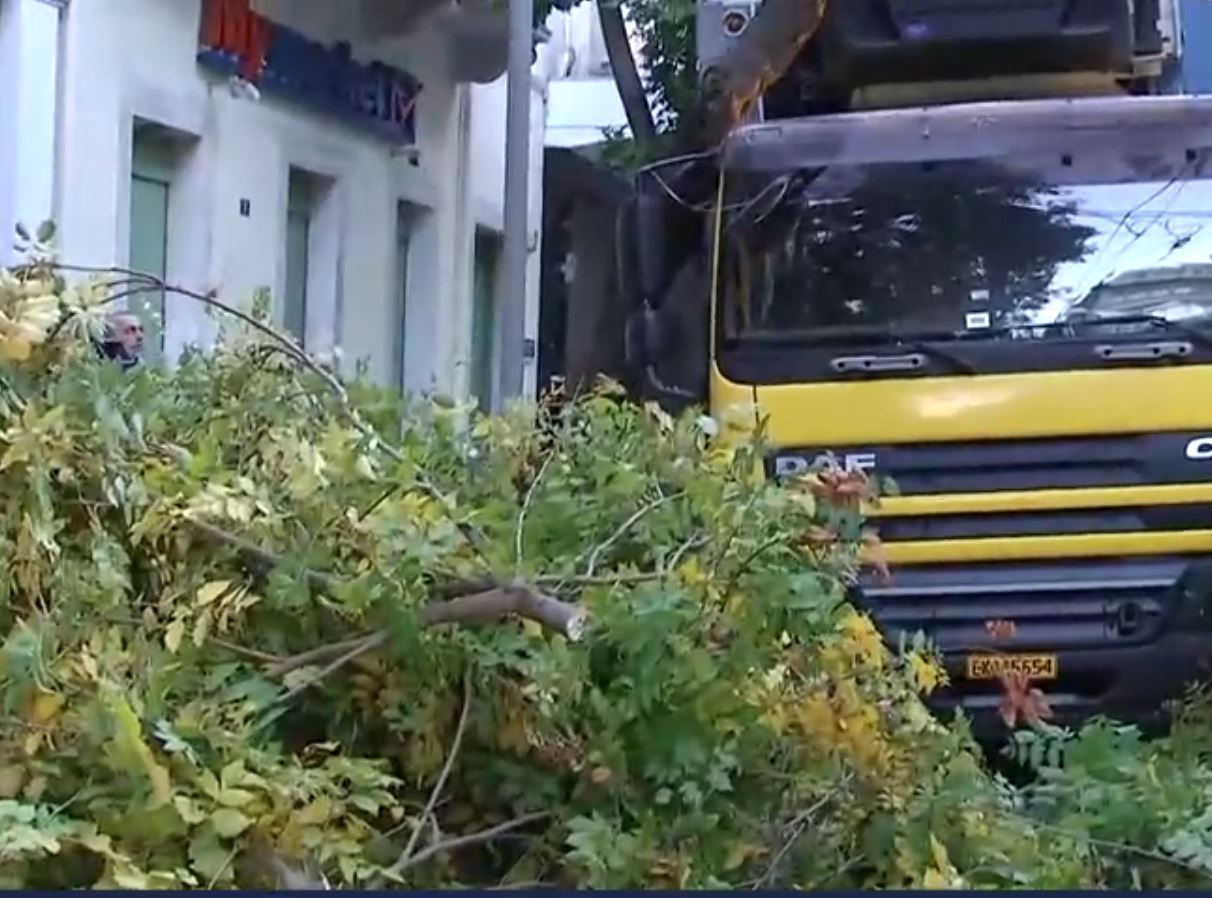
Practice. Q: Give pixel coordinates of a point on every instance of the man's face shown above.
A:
(128, 331)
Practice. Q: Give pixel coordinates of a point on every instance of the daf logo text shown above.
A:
(796, 465)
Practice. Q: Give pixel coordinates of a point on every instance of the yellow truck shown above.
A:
(1004, 307)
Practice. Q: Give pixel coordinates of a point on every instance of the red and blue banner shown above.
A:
(235, 40)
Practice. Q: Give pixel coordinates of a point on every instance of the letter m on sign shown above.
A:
(231, 26)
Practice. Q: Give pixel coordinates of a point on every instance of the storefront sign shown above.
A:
(236, 40)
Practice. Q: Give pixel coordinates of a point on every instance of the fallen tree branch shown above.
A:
(494, 605)
(516, 600)
(487, 602)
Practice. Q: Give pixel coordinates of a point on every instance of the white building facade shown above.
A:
(362, 187)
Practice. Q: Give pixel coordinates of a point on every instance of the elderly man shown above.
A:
(123, 339)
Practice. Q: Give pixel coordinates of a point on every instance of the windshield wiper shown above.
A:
(880, 360)
(883, 361)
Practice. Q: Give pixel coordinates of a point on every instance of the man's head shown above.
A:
(124, 337)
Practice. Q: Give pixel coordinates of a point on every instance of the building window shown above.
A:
(150, 193)
(407, 219)
(483, 319)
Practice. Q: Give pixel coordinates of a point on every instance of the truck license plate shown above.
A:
(991, 667)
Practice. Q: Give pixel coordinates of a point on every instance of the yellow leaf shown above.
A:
(46, 707)
(939, 852)
(928, 675)
(235, 798)
(740, 852)
(128, 743)
(212, 592)
(32, 743)
(35, 788)
(532, 628)
(319, 811)
(130, 878)
(202, 627)
(933, 879)
(864, 639)
(12, 778)
(229, 823)
(16, 349)
(98, 844)
(174, 634)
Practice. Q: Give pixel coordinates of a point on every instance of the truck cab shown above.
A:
(998, 307)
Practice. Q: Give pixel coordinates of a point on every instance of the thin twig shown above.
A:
(694, 542)
(622, 530)
(231, 856)
(797, 825)
(438, 786)
(284, 666)
(788, 844)
(251, 654)
(732, 533)
(486, 835)
(153, 282)
(520, 529)
(263, 558)
(603, 580)
(370, 643)
(1116, 846)
(752, 557)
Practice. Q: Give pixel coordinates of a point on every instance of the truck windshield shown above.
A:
(1026, 251)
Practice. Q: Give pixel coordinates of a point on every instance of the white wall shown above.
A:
(137, 58)
(29, 51)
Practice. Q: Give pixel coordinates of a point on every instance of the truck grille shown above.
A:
(990, 525)
(1068, 463)
(1071, 606)
(999, 466)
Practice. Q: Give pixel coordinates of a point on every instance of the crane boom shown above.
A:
(761, 55)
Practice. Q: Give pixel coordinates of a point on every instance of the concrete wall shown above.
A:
(128, 60)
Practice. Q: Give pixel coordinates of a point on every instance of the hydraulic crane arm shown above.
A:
(762, 54)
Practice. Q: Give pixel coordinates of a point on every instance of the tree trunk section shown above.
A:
(626, 75)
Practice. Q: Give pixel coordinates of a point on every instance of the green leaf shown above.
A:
(229, 823)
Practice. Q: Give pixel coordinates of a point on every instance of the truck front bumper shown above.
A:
(1128, 635)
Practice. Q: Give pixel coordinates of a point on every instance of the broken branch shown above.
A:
(486, 835)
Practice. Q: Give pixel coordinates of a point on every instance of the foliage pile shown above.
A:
(262, 627)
